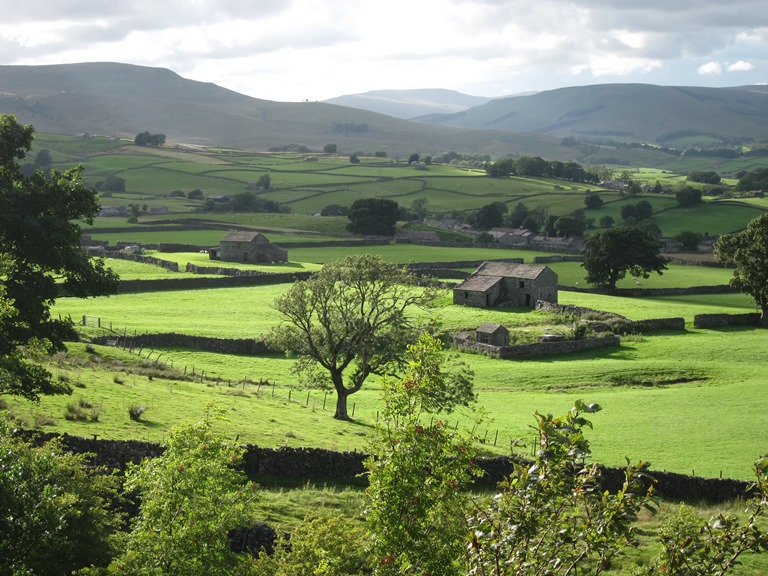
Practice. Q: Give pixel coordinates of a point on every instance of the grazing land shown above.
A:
(714, 374)
(687, 401)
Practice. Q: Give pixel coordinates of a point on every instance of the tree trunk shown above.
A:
(341, 396)
(341, 405)
(764, 317)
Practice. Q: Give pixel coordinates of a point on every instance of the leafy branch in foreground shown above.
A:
(552, 515)
(418, 472)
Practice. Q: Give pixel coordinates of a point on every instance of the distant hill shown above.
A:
(628, 112)
(124, 100)
(409, 104)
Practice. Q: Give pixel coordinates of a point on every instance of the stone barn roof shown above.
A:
(509, 270)
(245, 237)
(491, 328)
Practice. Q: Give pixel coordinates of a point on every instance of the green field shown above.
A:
(689, 401)
(305, 183)
(643, 383)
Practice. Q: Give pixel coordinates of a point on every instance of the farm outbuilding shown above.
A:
(249, 247)
(492, 333)
(501, 283)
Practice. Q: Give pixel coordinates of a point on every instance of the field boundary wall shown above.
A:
(264, 279)
(616, 321)
(242, 346)
(537, 349)
(716, 320)
(309, 464)
(172, 266)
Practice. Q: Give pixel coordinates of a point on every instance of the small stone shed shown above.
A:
(250, 247)
(501, 283)
(493, 334)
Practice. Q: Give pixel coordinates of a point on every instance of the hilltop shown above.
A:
(124, 100)
(410, 103)
(666, 115)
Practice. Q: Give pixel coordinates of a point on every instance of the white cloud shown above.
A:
(710, 69)
(296, 49)
(741, 66)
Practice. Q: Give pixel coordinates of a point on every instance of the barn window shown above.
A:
(522, 285)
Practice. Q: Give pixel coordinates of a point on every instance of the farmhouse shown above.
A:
(501, 283)
(512, 236)
(247, 247)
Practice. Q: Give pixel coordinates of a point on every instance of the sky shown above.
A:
(296, 50)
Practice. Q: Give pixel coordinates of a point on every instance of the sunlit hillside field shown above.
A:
(305, 183)
(191, 311)
(687, 402)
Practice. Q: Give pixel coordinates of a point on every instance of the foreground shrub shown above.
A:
(191, 498)
(54, 517)
(328, 546)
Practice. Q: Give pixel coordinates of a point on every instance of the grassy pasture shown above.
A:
(707, 218)
(715, 375)
(647, 379)
(306, 183)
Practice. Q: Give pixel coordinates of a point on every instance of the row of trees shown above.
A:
(147, 139)
(540, 168)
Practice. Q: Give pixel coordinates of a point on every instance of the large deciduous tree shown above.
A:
(609, 255)
(748, 250)
(40, 251)
(376, 216)
(350, 320)
(490, 216)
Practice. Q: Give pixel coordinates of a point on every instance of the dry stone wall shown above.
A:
(311, 464)
(716, 320)
(537, 349)
(242, 346)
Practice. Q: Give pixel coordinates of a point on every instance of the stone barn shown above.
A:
(501, 283)
(250, 247)
(492, 333)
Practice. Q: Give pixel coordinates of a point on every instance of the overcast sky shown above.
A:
(293, 50)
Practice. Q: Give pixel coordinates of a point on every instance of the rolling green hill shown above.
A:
(628, 112)
(124, 100)
(410, 103)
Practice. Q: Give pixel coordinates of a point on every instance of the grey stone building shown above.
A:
(493, 334)
(250, 247)
(501, 283)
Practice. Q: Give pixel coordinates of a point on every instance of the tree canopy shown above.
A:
(40, 255)
(490, 216)
(748, 250)
(609, 255)
(348, 321)
(376, 216)
(147, 139)
(538, 167)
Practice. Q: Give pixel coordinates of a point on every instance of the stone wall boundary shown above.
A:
(313, 464)
(133, 286)
(549, 259)
(172, 266)
(642, 292)
(717, 320)
(240, 346)
(537, 349)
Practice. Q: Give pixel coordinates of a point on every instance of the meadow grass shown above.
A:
(712, 373)
(689, 402)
